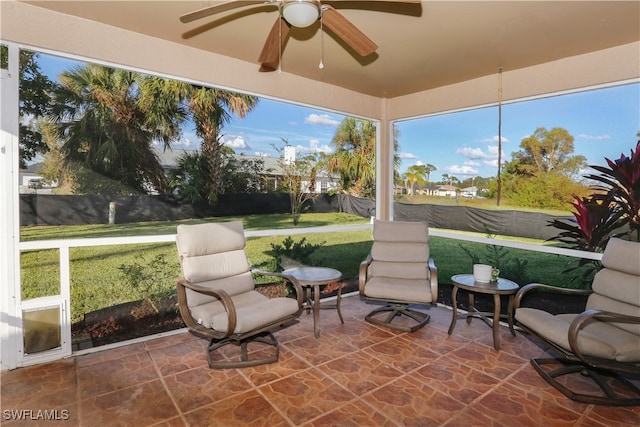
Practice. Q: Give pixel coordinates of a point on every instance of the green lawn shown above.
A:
(97, 279)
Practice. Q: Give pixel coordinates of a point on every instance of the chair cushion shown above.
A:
(400, 231)
(232, 285)
(203, 239)
(410, 290)
(401, 270)
(253, 310)
(400, 252)
(597, 339)
(622, 255)
(214, 266)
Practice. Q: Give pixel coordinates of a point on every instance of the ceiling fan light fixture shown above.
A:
(301, 13)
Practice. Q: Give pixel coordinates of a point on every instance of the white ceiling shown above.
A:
(421, 46)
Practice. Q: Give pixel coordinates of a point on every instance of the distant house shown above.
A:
(447, 191)
(30, 176)
(272, 171)
(469, 192)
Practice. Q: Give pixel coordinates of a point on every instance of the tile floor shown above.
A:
(355, 374)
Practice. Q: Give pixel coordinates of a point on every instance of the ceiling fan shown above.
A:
(298, 13)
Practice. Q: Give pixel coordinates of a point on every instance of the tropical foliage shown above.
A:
(611, 211)
(541, 174)
(110, 120)
(621, 182)
(35, 88)
(211, 109)
(415, 175)
(298, 179)
(189, 179)
(354, 158)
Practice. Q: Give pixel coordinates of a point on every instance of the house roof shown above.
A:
(421, 46)
(169, 159)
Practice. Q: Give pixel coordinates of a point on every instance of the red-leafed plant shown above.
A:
(595, 221)
(622, 186)
(612, 210)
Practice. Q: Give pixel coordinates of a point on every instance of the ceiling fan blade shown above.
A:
(212, 10)
(270, 55)
(349, 33)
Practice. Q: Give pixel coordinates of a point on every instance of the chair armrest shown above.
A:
(362, 274)
(547, 288)
(584, 318)
(222, 296)
(433, 280)
(287, 277)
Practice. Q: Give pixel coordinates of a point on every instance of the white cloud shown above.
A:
(186, 143)
(495, 139)
(237, 143)
(321, 119)
(462, 170)
(596, 137)
(314, 147)
(473, 153)
(407, 156)
(471, 163)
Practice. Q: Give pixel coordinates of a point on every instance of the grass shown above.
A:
(98, 279)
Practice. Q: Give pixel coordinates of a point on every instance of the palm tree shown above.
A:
(211, 109)
(416, 174)
(355, 155)
(428, 168)
(109, 120)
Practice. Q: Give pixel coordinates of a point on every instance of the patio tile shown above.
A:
(115, 374)
(359, 334)
(46, 386)
(246, 409)
(508, 405)
(614, 416)
(528, 380)
(356, 374)
(409, 402)
(170, 340)
(403, 353)
(181, 357)
(116, 353)
(455, 379)
(498, 364)
(172, 422)
(353, 414)
(305, 396)
(316, 351)
(288, 364)
(202, 386)
(360, 372)
(143, 404)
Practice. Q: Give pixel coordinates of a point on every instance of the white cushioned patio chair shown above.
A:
(217, 296)
(399, 272)
(601, 343)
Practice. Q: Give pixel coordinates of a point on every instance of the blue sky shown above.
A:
(604, 123)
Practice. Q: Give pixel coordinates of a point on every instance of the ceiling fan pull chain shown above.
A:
(321, 65)
(280, 45)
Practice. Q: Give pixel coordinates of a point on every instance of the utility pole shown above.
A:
(499, 136)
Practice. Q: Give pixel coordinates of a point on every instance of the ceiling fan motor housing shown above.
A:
(301, 13)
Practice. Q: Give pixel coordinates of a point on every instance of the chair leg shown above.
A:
(265, 338)
(397, 310)
(631, 396)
